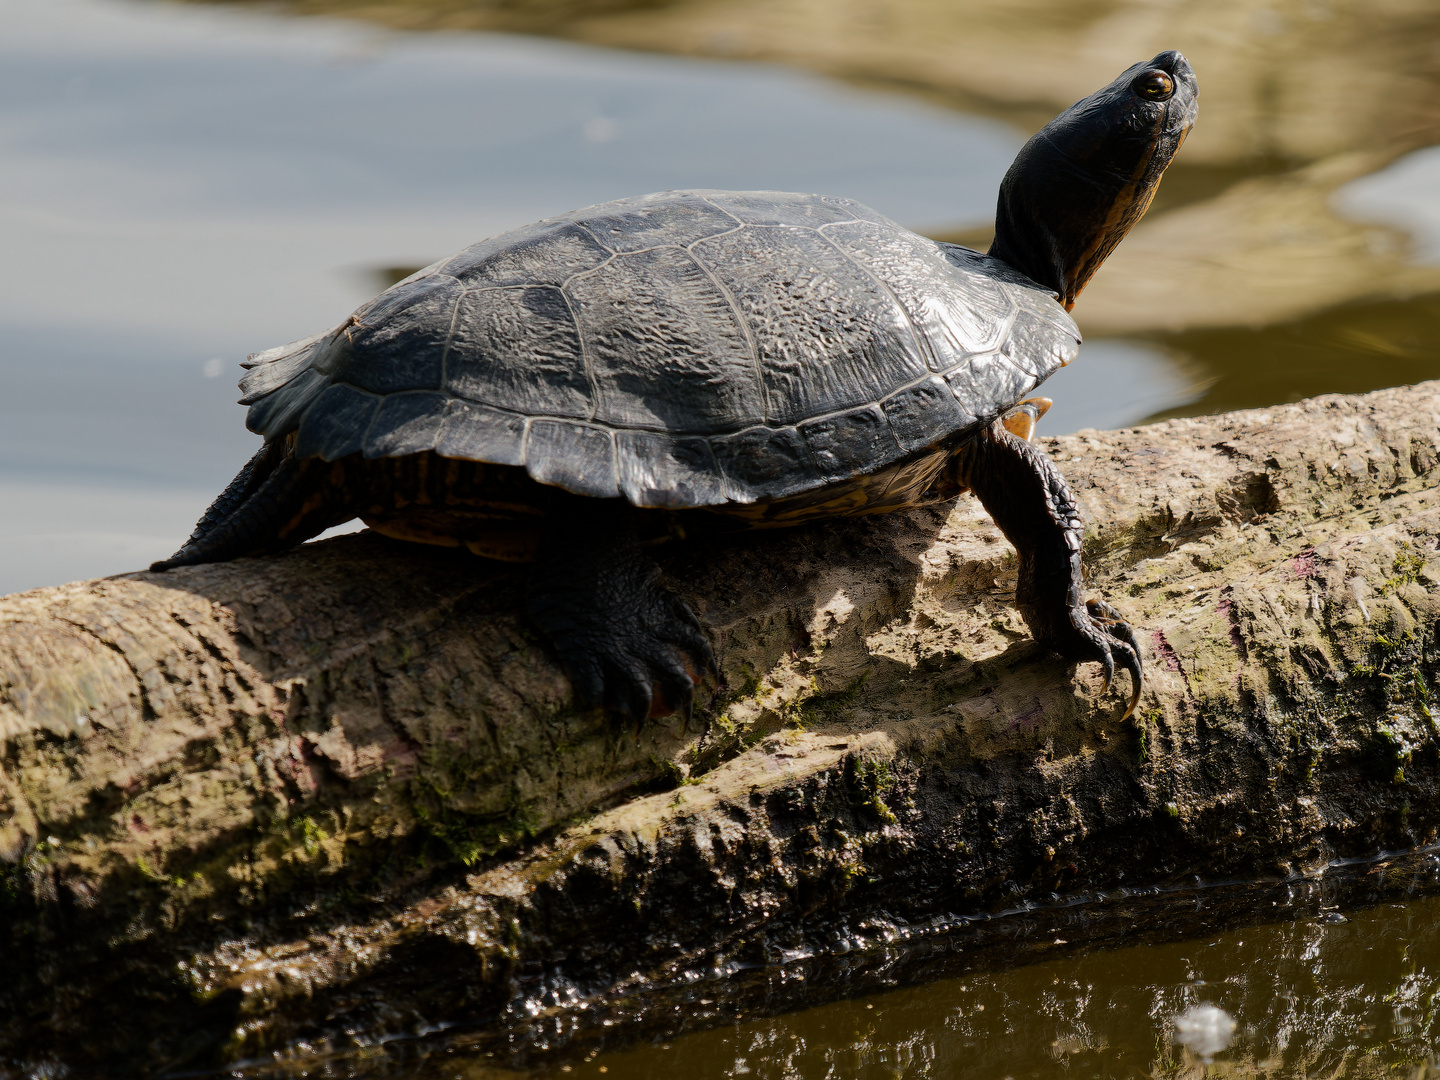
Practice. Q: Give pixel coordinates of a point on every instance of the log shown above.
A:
(300, 804)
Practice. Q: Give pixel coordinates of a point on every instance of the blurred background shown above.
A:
(182, 184)
(185, 183)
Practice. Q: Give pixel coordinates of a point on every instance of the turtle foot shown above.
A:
(642, 662)
(627, 643)
(1110, 641)
(1097, 632)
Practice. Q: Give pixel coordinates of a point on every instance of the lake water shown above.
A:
(181, 186)
(1322, 997)
(1205, 987)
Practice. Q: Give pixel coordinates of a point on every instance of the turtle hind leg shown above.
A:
(1023, 491)
(287, 505)
(247, 481)
(626, 642)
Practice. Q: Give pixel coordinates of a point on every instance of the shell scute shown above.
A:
(956, 311)
(279, 412)
(676, 218)
(337, 426)
(272, 369)
(666, 349)
(387, 308)
(785, 208)
(1037, 350)
(663, 470)
(405, 424)
(518, 349)
(987, 385)
(546, 253)
(1044, 338)
(479, 433)
(576, 457)
(849, 445)
(400, 343)
(917, 413)
(765, 462)
(827, 335)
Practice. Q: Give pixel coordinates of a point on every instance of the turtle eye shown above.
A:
(1154, 85)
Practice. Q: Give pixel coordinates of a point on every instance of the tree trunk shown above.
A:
(254, 806)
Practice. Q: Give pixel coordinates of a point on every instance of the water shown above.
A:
(1401, 195)
(1343, 350)
(181, 186)
(1386, 339)
(1330, 996)
(1278, 979)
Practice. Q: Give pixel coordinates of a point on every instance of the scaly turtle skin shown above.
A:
(563, 392)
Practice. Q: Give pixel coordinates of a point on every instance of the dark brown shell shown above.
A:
(685, 349)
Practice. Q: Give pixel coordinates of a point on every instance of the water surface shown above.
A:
(1324, 997)
(182, 185)
(1311, 990)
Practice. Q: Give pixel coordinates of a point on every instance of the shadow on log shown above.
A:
(254, 808)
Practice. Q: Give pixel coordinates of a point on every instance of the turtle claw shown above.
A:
(640, 671)
(1117, 641)
(1107, 662)
(638, 662)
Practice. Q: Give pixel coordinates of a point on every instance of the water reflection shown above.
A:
(181, 185)
(1325, 997)
(1402, 195)
(1264, 220)
(1350, 349)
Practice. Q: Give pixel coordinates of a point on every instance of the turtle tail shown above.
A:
(274, 502)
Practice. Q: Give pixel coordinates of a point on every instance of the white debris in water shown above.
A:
(1204, 1030)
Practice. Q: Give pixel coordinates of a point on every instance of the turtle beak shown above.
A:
(1182, 108)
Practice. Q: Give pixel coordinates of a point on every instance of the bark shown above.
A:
(282, 805)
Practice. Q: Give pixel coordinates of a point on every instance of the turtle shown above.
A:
(567, 393)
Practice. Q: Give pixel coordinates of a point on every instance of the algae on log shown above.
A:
(341, 794)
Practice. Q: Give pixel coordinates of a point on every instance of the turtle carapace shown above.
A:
(762, 358)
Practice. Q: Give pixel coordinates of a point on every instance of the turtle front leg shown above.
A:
(626, 642)
(1023, 491)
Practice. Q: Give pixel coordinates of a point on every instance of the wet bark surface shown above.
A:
(283, 807)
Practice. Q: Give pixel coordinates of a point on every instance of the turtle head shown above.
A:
(1078, 186)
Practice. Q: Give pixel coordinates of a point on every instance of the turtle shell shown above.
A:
(684, 349)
